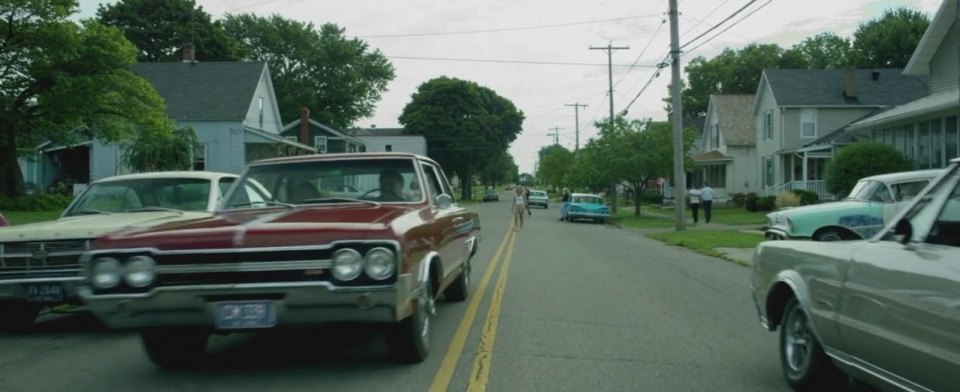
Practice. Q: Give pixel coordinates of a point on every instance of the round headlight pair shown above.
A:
(108, 272)
(379, 264)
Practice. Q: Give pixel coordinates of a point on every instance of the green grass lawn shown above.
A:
(735, 216)
(706, 241)
(23, 217)
(626, 218)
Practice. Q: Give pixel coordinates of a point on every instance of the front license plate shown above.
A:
(245, 314)
(44, 292)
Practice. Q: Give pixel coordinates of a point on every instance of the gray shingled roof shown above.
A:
(735, 116)
(825, 87)
(204, 90)
(377, 132)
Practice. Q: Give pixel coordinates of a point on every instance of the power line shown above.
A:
(718, 24)
(642, 52)
(728, 27)
(505, 29)
(515, 62)
(704, 20)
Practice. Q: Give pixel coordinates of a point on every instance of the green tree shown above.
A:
(339, 79)
(890, 40)
(499, 170)
(823, 51)
(160, 151)
(555, 161)
(160, 28)
(863, 160)
(64, 82)
(464, 123)
(589, 170)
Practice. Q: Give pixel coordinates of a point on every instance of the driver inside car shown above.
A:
(391, 186)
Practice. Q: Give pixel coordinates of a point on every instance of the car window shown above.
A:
(189, 194)
(946, 227)
(224, 186)
(433, 182)
(880, 193)
(906, 191)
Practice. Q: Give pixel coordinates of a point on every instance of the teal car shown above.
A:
(587, 206)
(868, 208)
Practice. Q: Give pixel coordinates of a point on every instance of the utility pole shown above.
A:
(609, 49)
(576, 119)
(679, 175)
(555, 134)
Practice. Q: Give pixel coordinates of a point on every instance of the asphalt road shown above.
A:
(568, 307)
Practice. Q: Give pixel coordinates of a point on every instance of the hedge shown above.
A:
(35, 202)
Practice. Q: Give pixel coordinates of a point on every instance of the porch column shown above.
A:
(806, 158)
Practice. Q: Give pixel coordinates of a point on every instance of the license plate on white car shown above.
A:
(44, 292)
(245, 314)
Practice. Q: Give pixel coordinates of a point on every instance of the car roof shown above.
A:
(206, 175)
(346, 155)
(907, 175)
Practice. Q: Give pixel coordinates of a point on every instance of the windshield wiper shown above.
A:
(269, 203)
(89, 211)
(340, 199)
(154, 208)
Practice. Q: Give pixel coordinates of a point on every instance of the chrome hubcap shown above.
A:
(831, 236)
(798, 341)
(427, 309)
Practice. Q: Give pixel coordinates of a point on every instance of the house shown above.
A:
(390, 139)
(230, 105)
(795, 107)
(926, 129)
(727, 157)
(324, 139)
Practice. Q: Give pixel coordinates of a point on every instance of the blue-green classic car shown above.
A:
(587, 206)
(870, 205)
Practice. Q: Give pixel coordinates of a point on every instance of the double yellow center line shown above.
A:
(481, 361)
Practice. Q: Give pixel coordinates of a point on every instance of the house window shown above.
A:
(320, 143)
(952, 140)
(910, 137)
(808, 123)
(768, 171)
(716, 135)
(768, 125)
(260, 103)
(923, 146)
(936, 143)
(388, 148)
(200, 158)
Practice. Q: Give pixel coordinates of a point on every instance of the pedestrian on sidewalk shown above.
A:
(695, 196)
(564, 203)
(519, 207)
(707, 196)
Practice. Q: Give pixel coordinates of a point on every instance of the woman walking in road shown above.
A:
(519, 207)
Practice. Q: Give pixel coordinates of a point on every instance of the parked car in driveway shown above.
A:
(869, 206)
(539, 198)
(587, 206)
(296, 258)
(884, 310)
(491, 195)
(40, 262)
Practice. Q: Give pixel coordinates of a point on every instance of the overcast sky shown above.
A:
(540, 48)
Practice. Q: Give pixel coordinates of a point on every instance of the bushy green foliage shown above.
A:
(807, 197)
(862, 160)
(35, 202)
(739, 198)
(750, 202)
(766, 203)
(651, 198)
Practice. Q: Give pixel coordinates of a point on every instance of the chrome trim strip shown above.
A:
(241, 250)
(874, 371)
(245, 266)
(42, 280)
(226, 288)
(61, 253)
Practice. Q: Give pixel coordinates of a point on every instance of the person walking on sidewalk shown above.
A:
(564, 203)
(707, 196)
(695, 195)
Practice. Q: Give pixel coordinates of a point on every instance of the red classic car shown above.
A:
(282, 250)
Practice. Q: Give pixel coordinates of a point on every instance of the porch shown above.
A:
(803, 169)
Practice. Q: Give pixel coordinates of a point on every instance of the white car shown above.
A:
(539, 198)
(40, 262)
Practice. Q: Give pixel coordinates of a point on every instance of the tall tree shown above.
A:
(160, 28)
(555, 162)
(589, 169)
(889, 41)
(498, 170)
(823, 51)
(339, 79)
(64, 82)
(465, 124)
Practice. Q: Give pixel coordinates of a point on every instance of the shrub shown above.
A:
(651, 198)
(787, 199)
(35, 202)
(750, 202)
(739, 198)
(863, 160)
(767, 203)
(807, 197)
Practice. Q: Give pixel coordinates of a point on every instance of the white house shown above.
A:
(390, 140)
(727, 157)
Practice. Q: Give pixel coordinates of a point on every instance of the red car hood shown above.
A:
(265, 228)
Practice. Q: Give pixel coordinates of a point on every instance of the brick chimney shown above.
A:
(189, 55)
(305, 125)
(849, 83)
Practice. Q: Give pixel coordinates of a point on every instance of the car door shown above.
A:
(903, 194)
(900, 307)
(443, 219)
